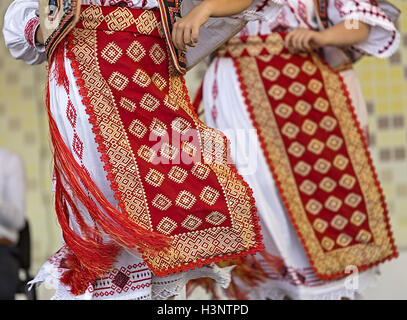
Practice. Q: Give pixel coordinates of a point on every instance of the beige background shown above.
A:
(23, 129)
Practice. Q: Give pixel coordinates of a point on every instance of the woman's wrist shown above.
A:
(38, 36)
(207, 7)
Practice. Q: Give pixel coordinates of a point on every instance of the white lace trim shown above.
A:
(161, 289)
(279, 290)
(174, 285)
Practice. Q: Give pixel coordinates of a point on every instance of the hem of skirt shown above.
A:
(278, 290)
(50, 276)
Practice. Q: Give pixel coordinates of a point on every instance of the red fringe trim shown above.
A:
(285, 200)
(198, 99)
(154, 246)
(90, 257)
(247, 269)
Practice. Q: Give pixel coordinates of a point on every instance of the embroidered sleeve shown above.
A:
(30, 30)
(262, 10)
(20, 25)
(384, 38)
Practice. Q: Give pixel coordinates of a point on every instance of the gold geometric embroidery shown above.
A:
(313, 206)
(284, 110)
(146, 153)
(291, 70)
(347, 181)
(363, 236)
(316, 146)
(159, 81)
(327, 243)
(271, 73)
(290, 130)
(141, 78)
(309, 127)
(303, 107)
(334, 142)
(149, 102)
(188, 148)
(328, 123)
(157, 54)
(340, 162)
(321, 104)
(333, 203)
(320, 225)
(191, 222)
(168, 151)
(286, 56)
(297, 89)
(209, 195)
(166, 225)
(315, 86)
(111, 53)
(137, 128)
(343, 239)
(158, 127)
(339, 222)
(358, 218)
(161, 202)
(302, 168)
(327, 184)
(180, 125)
(308, 187)
(155, 178)
(185, 200)
(322, 166)
(353, 200)
(177, 174)
(93, 17)
(128, 104)
(146, 22)
(118, 81)
(170, 102)
(136, 51)
(200, 170)
(277, 92)
(119, 19)
(296, 149)
(216, 218)
(309, 68)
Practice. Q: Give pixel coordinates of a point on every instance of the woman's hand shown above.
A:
(186, 30)
(339, 35)
(39, 38)
(305, 40)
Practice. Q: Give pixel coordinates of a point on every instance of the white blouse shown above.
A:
(21, 22)
(383, 39)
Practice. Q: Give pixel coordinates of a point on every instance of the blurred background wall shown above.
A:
(24, 130)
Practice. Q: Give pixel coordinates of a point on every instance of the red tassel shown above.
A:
(198, 98)
(90, 257)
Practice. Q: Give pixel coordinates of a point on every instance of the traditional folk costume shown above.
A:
(297, 123)
(145, 195)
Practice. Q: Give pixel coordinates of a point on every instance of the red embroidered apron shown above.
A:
(317, 154)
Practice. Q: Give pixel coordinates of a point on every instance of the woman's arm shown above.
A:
(186, 30)
(340, 35)
(20, 25)
(39, 38)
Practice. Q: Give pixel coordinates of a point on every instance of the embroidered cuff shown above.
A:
(384, 38)
(30, 30)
